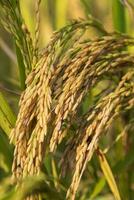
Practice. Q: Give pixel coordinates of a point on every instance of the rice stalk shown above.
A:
(37, 30)
(70, 66)
(12, 20)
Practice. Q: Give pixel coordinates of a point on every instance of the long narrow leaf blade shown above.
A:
(98, 188)
(7, 117)
(4, 123)
(108, 175)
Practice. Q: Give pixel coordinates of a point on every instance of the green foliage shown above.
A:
(7, 117)
(119, 19)
(12, 20)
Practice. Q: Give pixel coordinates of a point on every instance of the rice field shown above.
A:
(66, 100)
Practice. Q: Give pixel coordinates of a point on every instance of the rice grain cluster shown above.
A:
(67, 70)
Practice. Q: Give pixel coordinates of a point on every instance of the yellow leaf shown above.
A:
(108, 175)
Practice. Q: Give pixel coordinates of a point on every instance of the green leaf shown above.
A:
(7, 117)
(29, 184)
(4, 123)
(55, 174)
(119, 19)
(98, 188)
(6, 152)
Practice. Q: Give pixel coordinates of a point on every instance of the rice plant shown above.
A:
(56, 113)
